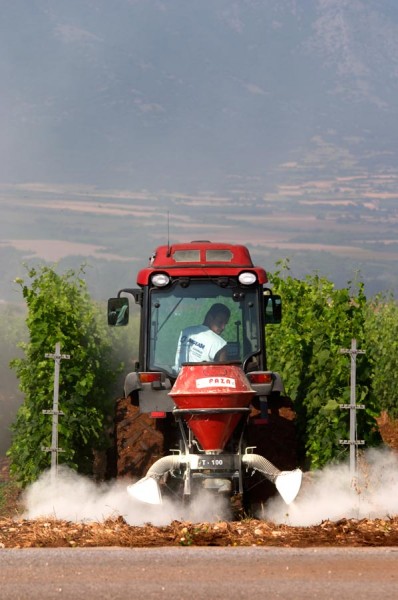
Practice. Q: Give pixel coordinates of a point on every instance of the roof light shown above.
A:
(160, 279)
(247, 278)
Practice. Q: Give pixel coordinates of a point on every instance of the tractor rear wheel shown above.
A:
(140, 440)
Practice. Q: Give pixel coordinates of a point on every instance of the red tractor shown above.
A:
(201, 381)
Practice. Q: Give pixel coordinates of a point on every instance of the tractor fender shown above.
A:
(131, 384)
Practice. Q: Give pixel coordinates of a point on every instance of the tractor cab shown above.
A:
(178, 290)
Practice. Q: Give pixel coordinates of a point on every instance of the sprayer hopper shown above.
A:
(211, 398)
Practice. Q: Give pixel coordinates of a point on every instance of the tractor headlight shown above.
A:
(247, 278)
(160, 279)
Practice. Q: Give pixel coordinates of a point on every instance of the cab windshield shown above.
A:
(178, 314)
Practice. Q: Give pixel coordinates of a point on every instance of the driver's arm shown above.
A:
(222, 355)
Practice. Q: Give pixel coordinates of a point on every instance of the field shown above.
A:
(334, 227)
(53, 533)
(116, 232)
(19, 532)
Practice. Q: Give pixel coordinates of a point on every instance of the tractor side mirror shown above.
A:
(272, 309)
(118, 311)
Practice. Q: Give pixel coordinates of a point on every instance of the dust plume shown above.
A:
(333, 494)
(73, 497)
(329, 494)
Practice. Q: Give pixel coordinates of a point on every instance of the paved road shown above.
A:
(199, 573)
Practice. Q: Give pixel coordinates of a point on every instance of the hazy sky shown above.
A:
(196, 95)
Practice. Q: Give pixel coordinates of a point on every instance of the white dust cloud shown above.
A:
(333, 494)
(72, 497)
(330, 494)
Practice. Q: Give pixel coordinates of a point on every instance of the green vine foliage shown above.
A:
(381, 328)
(12, 332)
(319, 321)
(60, 310)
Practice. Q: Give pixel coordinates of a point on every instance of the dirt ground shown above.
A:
(53, 533)
(16, 532)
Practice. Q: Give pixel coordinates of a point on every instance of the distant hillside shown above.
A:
(199, 95)
(114, 232)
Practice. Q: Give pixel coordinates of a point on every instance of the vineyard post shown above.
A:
(55, 412)
(353, 442)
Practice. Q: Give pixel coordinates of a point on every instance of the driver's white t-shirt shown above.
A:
(197, 343)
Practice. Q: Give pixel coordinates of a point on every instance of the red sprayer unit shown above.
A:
(212, 399)
(203, 368)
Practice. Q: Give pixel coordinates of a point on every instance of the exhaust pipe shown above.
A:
(287, 483)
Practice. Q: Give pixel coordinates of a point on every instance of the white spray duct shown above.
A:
(147, 489)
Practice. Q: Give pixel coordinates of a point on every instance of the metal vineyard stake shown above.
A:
(55, 412)
(353, 407)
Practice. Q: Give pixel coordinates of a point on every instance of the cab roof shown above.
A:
(200, 258)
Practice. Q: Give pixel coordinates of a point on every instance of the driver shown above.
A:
(203, 343)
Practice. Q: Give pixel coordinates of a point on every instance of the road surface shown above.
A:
(198, 573)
